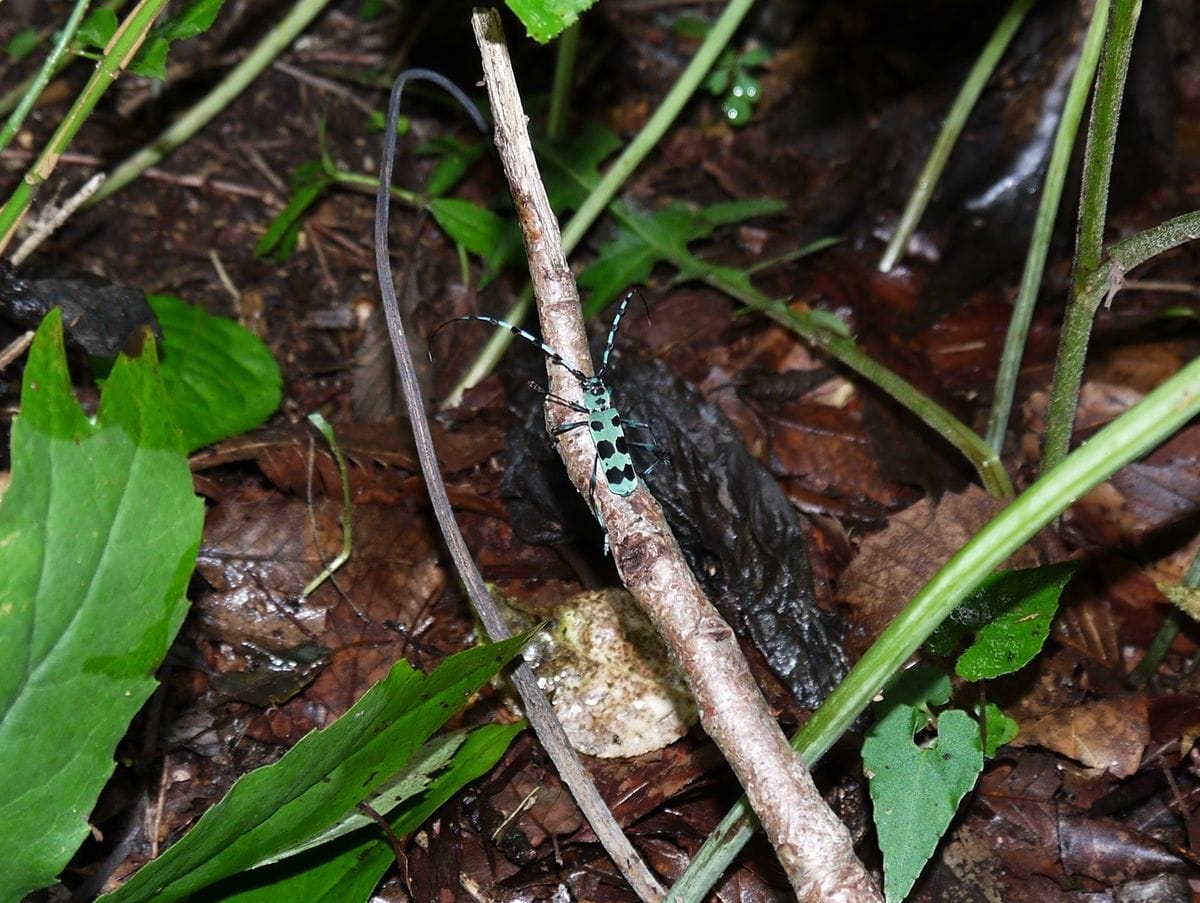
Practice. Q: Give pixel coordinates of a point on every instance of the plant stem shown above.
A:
(276, 42)
(564, 74)
(1089, 247)
(970, 444)
(117, 54)
(1043, 228)
(951, 129)
(1134, 433)
(40, 79)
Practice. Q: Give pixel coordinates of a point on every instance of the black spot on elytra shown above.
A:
(596, 425)
(621, 446)
(605, 450)
(620, 474)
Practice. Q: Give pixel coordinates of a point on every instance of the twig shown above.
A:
(327, 85)
(814, 847)
(52, 217)
(537, 708)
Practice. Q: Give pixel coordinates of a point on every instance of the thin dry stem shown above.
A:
(813, 845)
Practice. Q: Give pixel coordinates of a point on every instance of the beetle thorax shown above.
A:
(596, 395)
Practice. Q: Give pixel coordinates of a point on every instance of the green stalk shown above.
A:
(1089, 247)
(276, 41)
(841, 348)
(1039, 245)
(117, 55)
(1144, 426)
(42, 77)
(645, 141)
(564, 74)
(955, 120)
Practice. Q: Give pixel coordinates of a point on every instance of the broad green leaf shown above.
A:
(915, 790)
(97, 29)
(475, 228)
(643, 241)
(572, 167)
(349, 868)
(547, 19)
(98, 536)
(23, 43)
(151, 59)
(222, 379)
(1010, 615)
(321, 779)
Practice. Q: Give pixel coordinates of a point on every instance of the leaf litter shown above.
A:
(1099, 766)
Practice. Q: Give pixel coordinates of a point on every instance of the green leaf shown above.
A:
(1185, 598)
(23, 43)
(572, 167)
(475, 228)
(546, 19)
(1000, 729)
(915, 789)
(643, 241)
(350, 867)
(690, 26)
(728, 212)
(221, 378)
(408, 782)
(97, 29)
(279, 241)
(151, 59)
(377, 121)
(98, 535)
(455, 158)
(1010, 615)
(321, 778)
(754, 58)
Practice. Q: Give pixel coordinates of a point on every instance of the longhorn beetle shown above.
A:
(603, 421)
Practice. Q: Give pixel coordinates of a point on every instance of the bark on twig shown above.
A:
(813, 845)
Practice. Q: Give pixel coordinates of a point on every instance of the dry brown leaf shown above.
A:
(1111, 733)
(894, 564)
